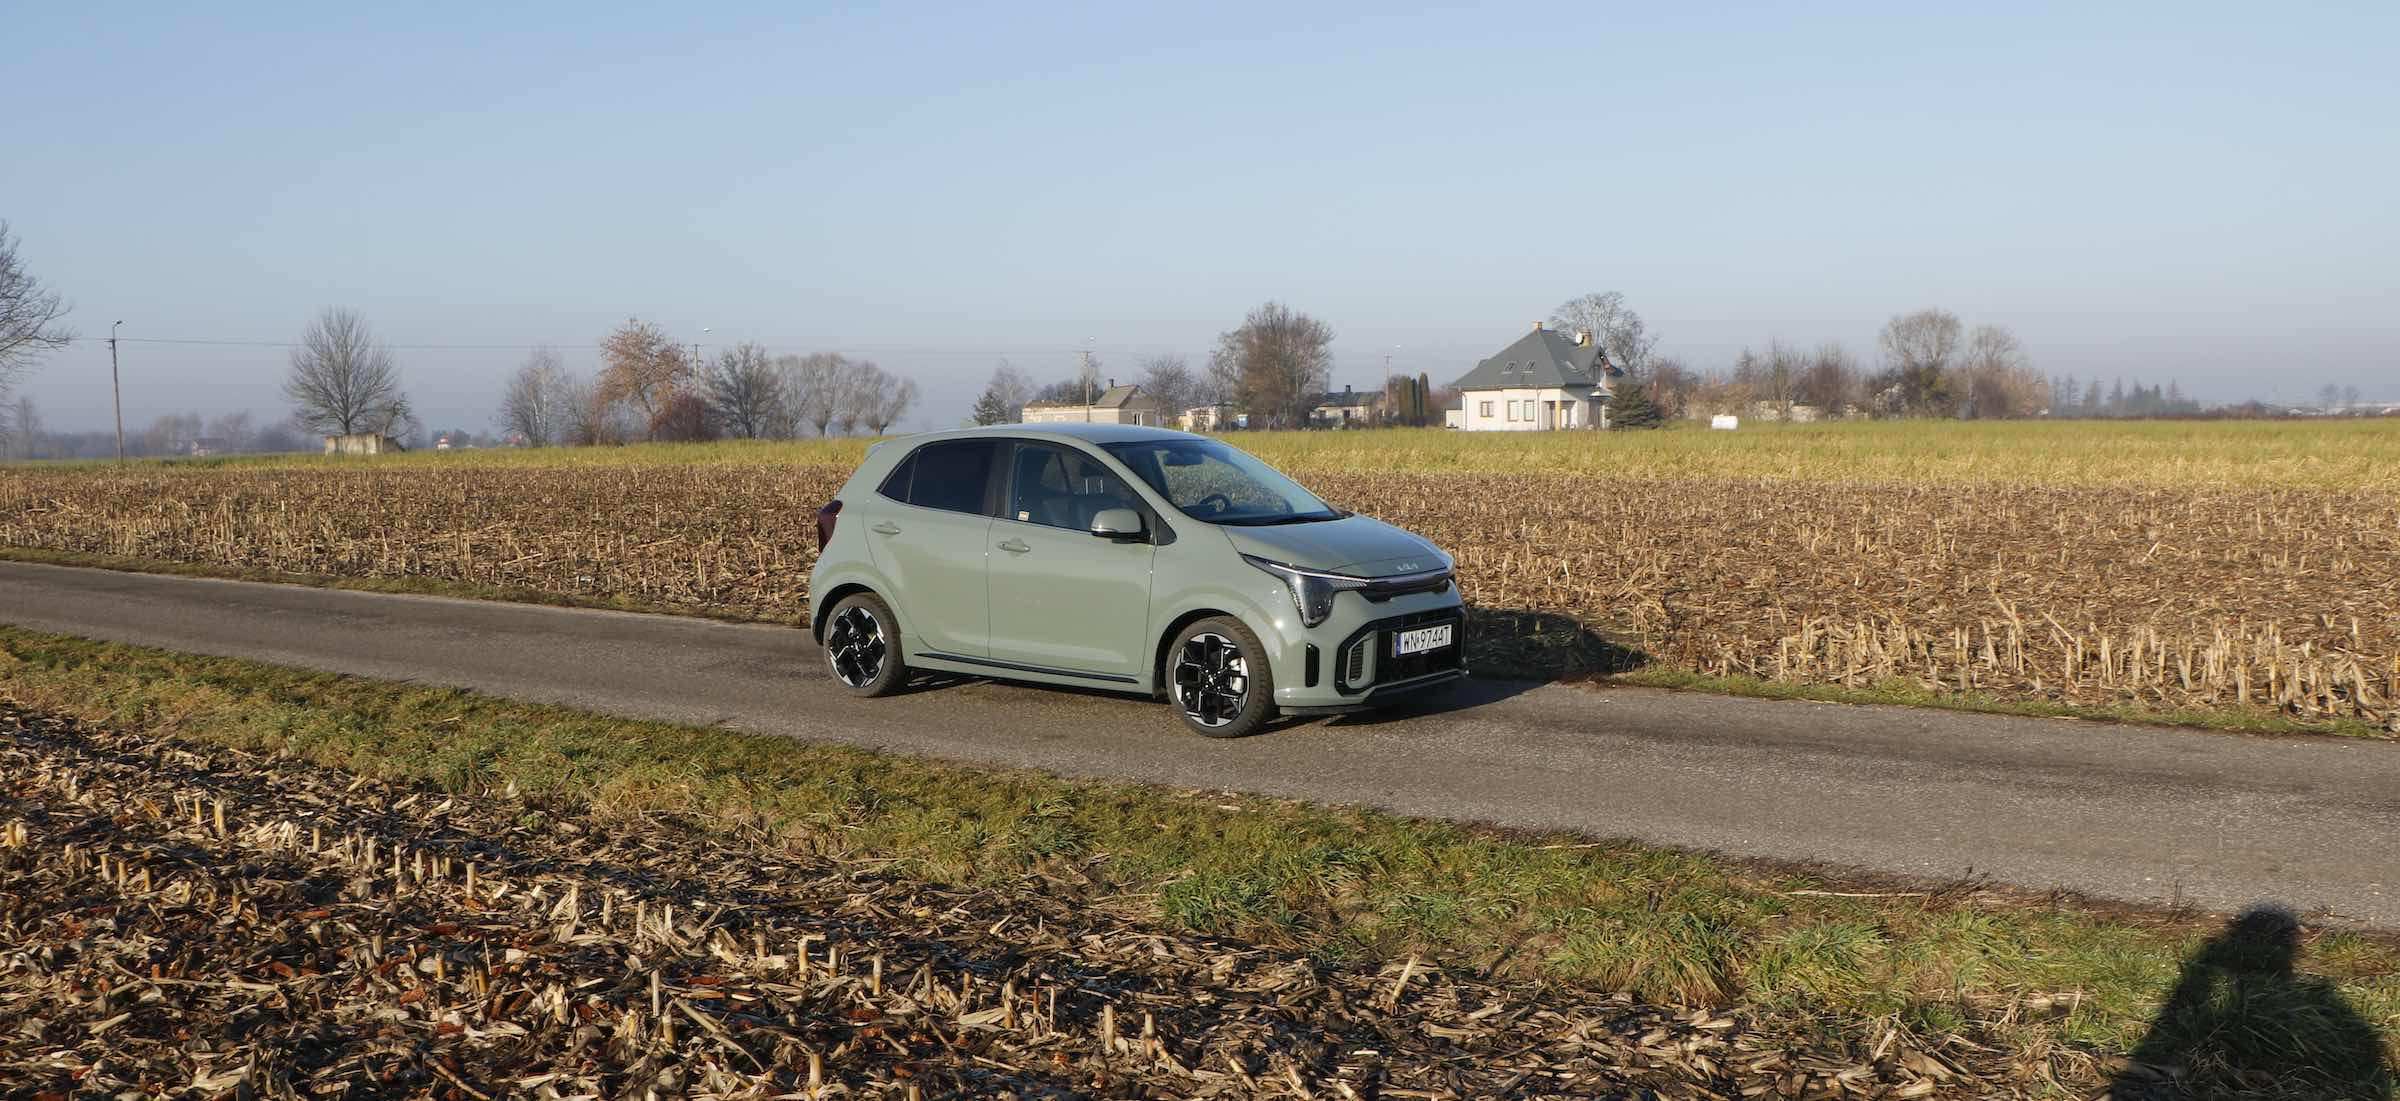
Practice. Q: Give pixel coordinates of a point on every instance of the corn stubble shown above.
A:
(212, 923)
(2096, 596)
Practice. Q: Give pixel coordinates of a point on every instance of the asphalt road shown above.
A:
(2127, 813)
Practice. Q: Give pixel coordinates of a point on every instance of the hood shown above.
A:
(1353, 544)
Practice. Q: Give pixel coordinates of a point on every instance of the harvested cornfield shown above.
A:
(197, 921)
(2130, 594)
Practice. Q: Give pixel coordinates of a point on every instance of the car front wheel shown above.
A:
(862, 646)
(1217, 679)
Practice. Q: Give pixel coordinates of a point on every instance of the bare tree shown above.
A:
(1169, 380)
(1917, 350)
(745, 391)
(21, 429)
(684, 418)
(230, 432)
(279, 436)
(816, 387)
(170, 434)
(1615, 325)
(1003, 400)
(1830, 381)
(1773, 378)
(29, 316)
(1277, 362)
(537, 405)
(853, 393)
(1672, 386)
(642, 368)
(343, 381)
(883, 399)
(587, 417)
(2000, 382)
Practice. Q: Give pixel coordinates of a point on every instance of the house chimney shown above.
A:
(1583, 338)
(1112, 383)
(1347, 388)
(1537, 326)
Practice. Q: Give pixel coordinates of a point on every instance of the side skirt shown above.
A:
(1032, 674)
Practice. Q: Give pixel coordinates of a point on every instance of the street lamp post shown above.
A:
(116, 390)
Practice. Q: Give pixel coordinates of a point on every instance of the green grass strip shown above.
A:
(2049, 977)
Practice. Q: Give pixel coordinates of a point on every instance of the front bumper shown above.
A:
(1347, 662)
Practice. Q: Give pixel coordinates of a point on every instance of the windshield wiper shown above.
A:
(1289, 518)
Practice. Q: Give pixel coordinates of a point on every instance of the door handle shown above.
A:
(885, 528)
(1015, 546)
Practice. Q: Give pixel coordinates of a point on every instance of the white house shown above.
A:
(1546, 380)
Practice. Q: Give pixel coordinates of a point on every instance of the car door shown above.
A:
(928, 535)
(1063, 599)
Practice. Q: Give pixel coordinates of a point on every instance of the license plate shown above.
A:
(1420, 640)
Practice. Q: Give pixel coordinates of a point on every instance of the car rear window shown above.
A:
(951, 475)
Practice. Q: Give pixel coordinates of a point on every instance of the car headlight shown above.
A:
(1312, 590)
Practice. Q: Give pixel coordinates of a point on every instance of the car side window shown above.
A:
(952, 475)
(1063, 488)
(895, 485)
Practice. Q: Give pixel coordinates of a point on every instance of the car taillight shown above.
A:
(825, 518)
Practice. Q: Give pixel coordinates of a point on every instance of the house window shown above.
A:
(1484, 410)
(1512, 408)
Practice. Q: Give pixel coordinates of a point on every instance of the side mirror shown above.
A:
(1118, 523)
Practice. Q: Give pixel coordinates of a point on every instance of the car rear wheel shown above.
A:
(1218, 681)
(862, 646)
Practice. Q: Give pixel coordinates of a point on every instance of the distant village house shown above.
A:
(1347, 408)
(1545, 381)
(1115, 405)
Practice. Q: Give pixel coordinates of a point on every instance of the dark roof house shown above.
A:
(1543, 358)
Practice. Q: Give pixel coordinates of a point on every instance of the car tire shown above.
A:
(1218, 680)
(862, 646)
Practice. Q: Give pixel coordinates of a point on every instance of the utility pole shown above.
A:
(1087, 380)
(116, 390)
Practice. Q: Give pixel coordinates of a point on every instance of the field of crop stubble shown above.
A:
(2222, 568)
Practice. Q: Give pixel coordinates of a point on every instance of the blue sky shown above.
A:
(2187, 191)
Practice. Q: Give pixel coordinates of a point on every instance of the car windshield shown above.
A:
(1210, 481)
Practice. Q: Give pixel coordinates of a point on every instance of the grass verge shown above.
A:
(2062, 982)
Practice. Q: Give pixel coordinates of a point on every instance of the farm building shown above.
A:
(365, 444)
(1116, 405)
(1546, 380)
(1209, 418)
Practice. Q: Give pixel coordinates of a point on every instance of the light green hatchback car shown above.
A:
(1128, 559)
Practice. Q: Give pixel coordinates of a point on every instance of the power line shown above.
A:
(883, 349)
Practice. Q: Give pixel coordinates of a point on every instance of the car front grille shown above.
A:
(1354, 676)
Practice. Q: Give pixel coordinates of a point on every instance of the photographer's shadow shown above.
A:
(2243, 1022)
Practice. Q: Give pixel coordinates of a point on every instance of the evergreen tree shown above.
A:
(991, 408)
(1634, 409)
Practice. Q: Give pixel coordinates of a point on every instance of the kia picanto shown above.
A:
(1127, 559)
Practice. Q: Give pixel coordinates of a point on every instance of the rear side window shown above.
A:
(896, 485)
(951, 476)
